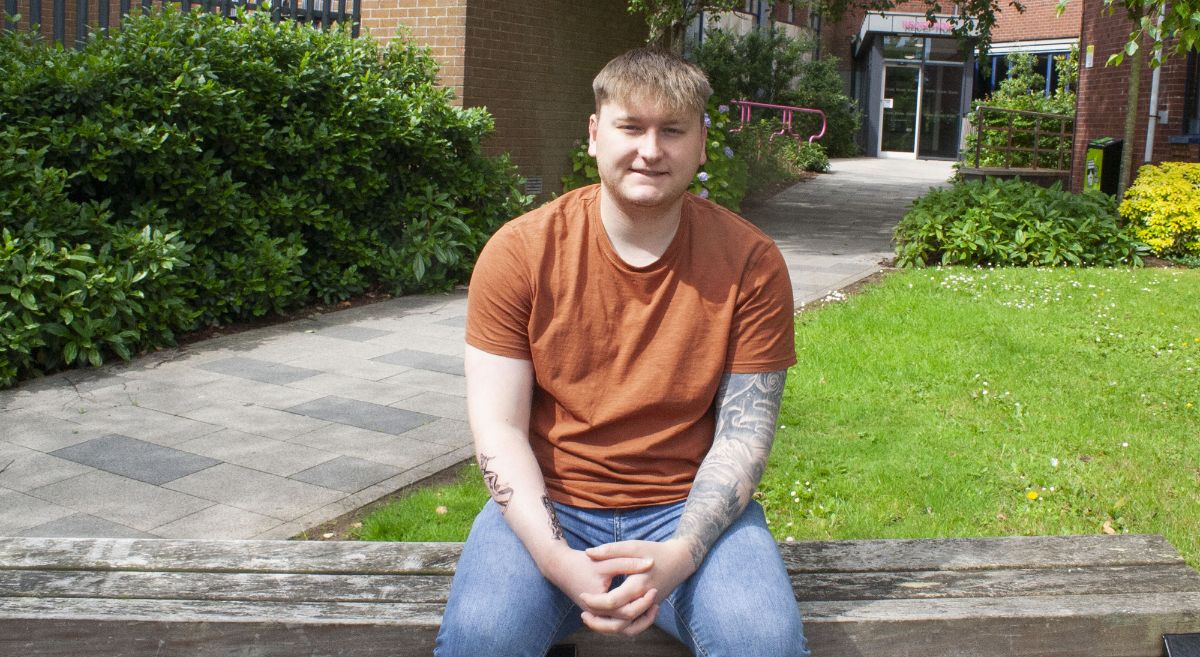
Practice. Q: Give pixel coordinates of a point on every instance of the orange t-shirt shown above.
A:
(627, 360)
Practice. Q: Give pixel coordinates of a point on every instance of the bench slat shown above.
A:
(440, 558)
(434, 588)
(1127, 625)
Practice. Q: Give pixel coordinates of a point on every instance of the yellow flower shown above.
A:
(1032, 495)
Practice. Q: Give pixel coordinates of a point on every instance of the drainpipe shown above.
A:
(1152, 123)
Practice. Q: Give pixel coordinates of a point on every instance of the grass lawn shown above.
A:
(967, 402)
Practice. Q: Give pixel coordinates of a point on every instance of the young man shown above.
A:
(627, 346)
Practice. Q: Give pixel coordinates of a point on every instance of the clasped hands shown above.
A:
(652, 571)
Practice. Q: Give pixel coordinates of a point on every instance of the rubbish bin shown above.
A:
(1102, 165)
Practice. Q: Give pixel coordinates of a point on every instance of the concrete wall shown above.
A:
(1100, 108)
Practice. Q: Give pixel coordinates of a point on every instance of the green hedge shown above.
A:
(195, 170)
(1014, 223)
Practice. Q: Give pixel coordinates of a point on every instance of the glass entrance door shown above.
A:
(941, 92)
(901, 105)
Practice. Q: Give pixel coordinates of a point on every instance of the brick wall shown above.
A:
(531, 65)
(1100, 109)
(1038, 21)
(439, 24)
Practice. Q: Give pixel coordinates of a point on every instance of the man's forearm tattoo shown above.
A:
(555, 526)
(500, 492)
(747, 409)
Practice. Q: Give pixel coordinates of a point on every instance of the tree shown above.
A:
(668, 19)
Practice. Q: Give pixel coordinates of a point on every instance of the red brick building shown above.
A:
(1103, 90)
(529, 63)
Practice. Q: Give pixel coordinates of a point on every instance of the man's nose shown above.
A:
(650, 147)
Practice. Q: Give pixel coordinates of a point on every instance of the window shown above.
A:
(903, 47)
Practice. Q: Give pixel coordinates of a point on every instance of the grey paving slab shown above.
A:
(257, 420)
(447, 384)
(398, 451)
(82, 525)
(352, 333)
(121, 500)
(218, 521)
(24, 469)
(242, 392)
(347, 474)
(360, 389)
(42, 432)
(364, 415)
(136, 459)
(257, 452)
(452, 433)
(146, 424)
(284, 348)
(258, 370)
(254, 491)
(19, 511)
(424, 360)
(436, 403)
(459, 321)
(418, 338)
(342, 365)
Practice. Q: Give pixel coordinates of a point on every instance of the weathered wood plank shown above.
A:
(1075, 626)
(435, 588)
(440, 558)
(977, 553)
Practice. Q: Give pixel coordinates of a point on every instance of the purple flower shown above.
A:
(702, 176)
(722, 108)
(703, 192)
(728, 152)
(707, 120)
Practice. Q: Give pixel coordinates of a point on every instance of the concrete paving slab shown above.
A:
(121, 500)
(447, 384)
(136, 459)
(401, 452)
(258, 370)
(417, 337)
(341, 365)
(146, 424)
(82, 525)
(435, 403)
(257, 420)
(19, 511)
(363, 415)
(360, 389)
(218, 521)
(452, 433)
(254, 491)
(241, 392)
(42, 432)
(352, 333)
(346, 473)
(23, 469)
(424, 360)
(257, 452)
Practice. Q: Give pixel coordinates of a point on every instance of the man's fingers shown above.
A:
(624, 566)
(631, 590)
(617, 550)
(640, 624)
(603, 624)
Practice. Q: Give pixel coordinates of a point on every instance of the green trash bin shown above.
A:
(1102, 165)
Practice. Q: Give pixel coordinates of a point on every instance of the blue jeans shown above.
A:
(739, 602)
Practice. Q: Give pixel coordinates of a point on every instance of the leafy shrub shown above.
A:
(1023, 90)
(773, 160)
(1013, 223)
(1163, 205)
(769, 66)
(722, 179)
(285, 164)
(809, 156)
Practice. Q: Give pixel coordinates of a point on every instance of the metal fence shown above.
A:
(71, 22)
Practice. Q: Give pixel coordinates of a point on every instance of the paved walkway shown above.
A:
(269, 432)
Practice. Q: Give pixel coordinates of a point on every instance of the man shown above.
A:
(627, 347)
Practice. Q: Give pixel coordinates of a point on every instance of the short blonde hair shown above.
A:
(655, 76)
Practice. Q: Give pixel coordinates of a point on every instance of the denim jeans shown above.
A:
(739, 602)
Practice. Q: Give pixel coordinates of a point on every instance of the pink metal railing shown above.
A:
(787, 110)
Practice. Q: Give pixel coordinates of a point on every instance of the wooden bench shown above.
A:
(1094, 596)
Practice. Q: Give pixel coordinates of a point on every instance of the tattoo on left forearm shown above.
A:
(747, 409)
(500, 492)
(555, 527)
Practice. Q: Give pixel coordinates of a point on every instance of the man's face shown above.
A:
(647, 155)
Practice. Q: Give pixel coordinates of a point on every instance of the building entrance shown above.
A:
(922, 98)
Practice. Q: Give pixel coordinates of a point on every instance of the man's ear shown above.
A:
(593, 124)
(704, 148)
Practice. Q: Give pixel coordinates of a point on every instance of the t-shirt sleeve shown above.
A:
(499, 297)
(762, 337)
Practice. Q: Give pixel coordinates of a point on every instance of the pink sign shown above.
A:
(924, 26)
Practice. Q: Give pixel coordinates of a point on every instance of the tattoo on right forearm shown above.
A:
(500, 492)
(555, 526)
